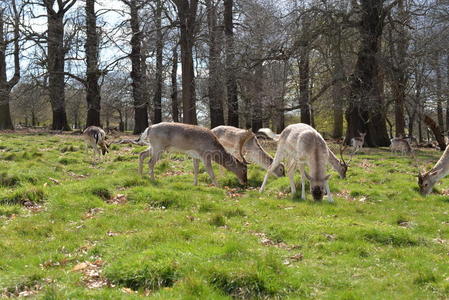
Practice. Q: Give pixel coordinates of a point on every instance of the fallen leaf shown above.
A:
(79, 267)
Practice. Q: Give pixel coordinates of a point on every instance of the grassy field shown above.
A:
(73, 229)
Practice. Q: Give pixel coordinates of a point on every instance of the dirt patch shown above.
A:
(92, 274)
(266, 241)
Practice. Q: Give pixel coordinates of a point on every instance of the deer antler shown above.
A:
(342, 149)
(248, 136)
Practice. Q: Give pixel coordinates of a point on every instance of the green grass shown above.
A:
(62, 236)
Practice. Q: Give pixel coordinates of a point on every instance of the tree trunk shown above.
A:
(230, 68)
(338, 97)
(214, 85)
(257, 113)
(5, 114)
(93, 96)
(140, 104)
(447, 91)
(366, 106)
(304, 81)
(439, 90)
(399, 69)
(5, 85)
(174, 85)
(187, 10)
(55, 59)
(157, 100)
(436, 131)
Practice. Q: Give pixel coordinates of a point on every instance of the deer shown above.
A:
(402, 145)
(341, 166)
(267, 133)
(195, 141)
(300, 144)
(237, 141)
(95, 137)
(427, 180)
(357, 142)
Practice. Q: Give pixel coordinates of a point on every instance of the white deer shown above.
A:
(357, 142)
(300, 144)
(239, 141)
(427, 180)
(198, 142)
(95, 137)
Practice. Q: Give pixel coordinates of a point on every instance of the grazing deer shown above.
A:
(357, 142)
(339, 165)
(427, 180)
(400, 145)
(95, 137)
(300, 144)
(198, 142)
(237, 141)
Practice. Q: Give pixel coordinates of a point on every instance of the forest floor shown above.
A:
(70, 228)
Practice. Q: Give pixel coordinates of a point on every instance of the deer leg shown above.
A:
(291, 176)
(196, 163)
(208, 164)
(276, 161)
(142, 157)
(303, 182)
(156, 155)
(328, 191)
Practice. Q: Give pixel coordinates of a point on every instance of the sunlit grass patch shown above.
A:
(169, 239)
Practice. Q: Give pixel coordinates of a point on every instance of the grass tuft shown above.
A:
(217, 220)
(22, 196)
(7, 180)
(243, 285)
(149, 275)
(103, 192)
(68, 148)
(396, 239)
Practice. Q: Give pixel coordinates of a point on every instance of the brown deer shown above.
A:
(198, 142)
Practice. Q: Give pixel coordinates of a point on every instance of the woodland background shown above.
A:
(343, 66)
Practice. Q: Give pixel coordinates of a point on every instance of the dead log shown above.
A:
(432, 125)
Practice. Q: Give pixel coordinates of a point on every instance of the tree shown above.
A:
(215, 90)
(231, 83)
(187, 13)
(55, 60)
(137, 76)
(5, 84)
(174, 85)
(157, 99)
(93, 97)
(365, 112)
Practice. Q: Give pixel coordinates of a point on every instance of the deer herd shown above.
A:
(298, 145)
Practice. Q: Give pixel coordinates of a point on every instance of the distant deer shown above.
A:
(300, 144)
(237, 141)
(198, 142)
(357, 142)
(95, 137)
(427, 180)
(400, 145)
